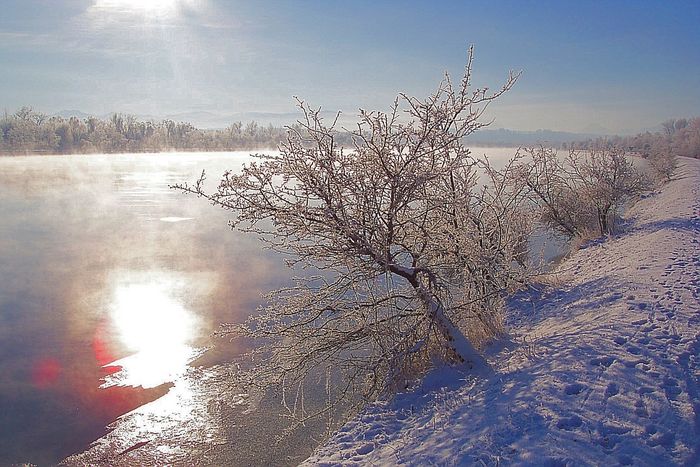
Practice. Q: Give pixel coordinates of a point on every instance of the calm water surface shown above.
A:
(110, 287)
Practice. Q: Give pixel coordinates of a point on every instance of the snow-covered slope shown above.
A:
(602, 366)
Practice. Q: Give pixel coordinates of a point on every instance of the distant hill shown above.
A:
(72, 113)
(505, 137)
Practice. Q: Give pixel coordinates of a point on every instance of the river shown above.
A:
(111, 285)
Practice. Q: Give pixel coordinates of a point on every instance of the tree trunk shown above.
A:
(459, 344)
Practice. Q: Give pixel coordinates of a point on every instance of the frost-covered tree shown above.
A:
(582, 192)
(664, 164)
(413, 252)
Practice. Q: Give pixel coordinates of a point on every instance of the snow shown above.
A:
(601, 365)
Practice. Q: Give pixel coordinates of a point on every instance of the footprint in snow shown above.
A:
(364, 449)
(625, 460)
(650, 429)
(666, 440)
(671, 388)
(640, 409)
(569, 423)
(684, 358)
(602, 361)
(611, 435)
(612, 390)
(573, 389)
(634, 363)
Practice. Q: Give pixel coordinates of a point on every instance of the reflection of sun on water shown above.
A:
(151, 319)
(150, 322)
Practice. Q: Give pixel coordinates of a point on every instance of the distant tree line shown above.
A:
(678, 137)
(29, 132)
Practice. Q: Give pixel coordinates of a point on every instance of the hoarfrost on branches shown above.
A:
(580, 194)
(413, 253)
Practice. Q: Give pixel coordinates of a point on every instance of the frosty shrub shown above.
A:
(664, 164)
(413, 254)
(582, 192)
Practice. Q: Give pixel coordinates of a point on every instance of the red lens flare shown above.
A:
(46, 372)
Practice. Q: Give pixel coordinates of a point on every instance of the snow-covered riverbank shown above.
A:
(601, 367)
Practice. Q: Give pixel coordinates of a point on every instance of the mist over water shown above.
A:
(110, 287)
(102, 264)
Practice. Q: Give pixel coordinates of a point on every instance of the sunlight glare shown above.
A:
(157, 8)
(147, 317)
(150, 322)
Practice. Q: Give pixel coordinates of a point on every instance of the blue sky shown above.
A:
(587, 66)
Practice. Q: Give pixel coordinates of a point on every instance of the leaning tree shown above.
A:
(411, 240)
